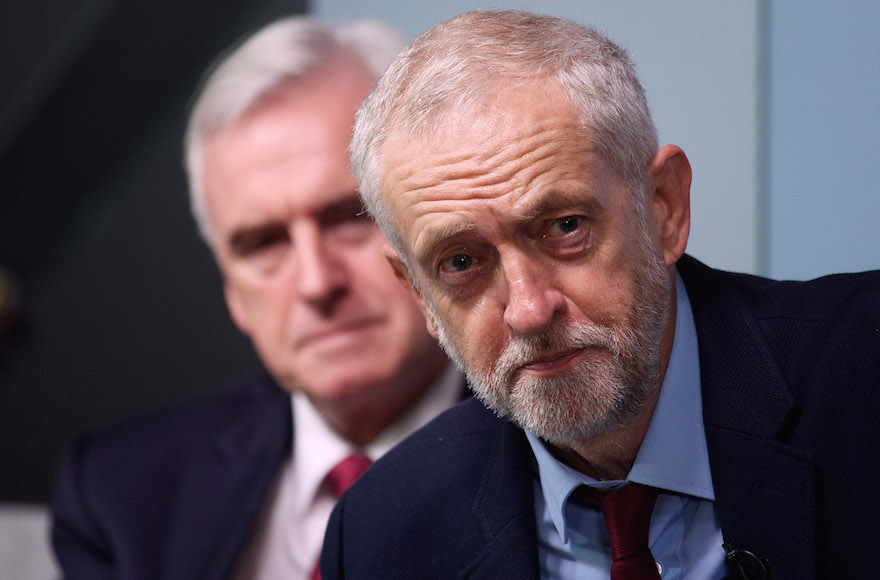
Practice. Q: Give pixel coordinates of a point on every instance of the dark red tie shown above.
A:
(627, 513)
(346, 473)
(340, 478)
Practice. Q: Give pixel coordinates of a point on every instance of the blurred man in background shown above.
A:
(241, 485)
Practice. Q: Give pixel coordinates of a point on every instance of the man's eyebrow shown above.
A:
(241, 238)
(554, 200)
(347, 207)
(550, 201)
(429, 238)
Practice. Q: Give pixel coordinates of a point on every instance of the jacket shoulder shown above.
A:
(832, 296)
(445, 500)
(161, 434)
(123, 493)
(459, 439)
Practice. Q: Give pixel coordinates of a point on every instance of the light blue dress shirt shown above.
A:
(685, 537)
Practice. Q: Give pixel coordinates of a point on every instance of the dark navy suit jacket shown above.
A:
(173, 495)
(790, 375)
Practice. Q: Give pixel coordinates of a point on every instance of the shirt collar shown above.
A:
(673, 456)
(317, 448)
(446, 391)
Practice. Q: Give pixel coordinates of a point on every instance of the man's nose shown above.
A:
(320, 272)
(533, 300)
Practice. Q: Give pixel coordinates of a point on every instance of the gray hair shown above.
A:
(284, 51)
(452, 66)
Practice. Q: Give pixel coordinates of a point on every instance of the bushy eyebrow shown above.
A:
(242, 240)
(430, 238)
(344, 209)
(347, 208)
(554, 200)
(542, 204)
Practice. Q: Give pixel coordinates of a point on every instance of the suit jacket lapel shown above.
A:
(762, 485)
(505, 510)
(764, 488)
(224, 488)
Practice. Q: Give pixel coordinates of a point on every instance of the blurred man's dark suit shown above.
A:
(173, 495)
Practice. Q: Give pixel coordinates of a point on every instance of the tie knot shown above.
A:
(629, 506)
(346, 472)
(627, 512)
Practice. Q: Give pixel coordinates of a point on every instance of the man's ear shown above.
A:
(669, 200)
(236, 309)
(403, 275)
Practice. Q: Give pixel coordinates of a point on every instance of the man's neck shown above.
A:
(610, 455)
(362, 418)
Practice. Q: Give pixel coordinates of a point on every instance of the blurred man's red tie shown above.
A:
(338, 480)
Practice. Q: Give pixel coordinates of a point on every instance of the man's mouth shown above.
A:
(553, 362)
(338, 332)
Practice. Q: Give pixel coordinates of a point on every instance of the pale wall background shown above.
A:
(823, 186)
(777, 105)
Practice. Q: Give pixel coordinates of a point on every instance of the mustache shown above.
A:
(522, 350)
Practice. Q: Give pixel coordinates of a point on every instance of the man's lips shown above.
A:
(337, 331)
(552, 363)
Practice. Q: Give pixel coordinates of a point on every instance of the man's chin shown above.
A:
(551, 410)
(353, 384)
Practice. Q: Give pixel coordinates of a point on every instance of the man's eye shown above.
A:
(457, 263)
(565, 225)
(255, 241)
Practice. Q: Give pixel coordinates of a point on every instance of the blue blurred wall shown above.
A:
(776, 103)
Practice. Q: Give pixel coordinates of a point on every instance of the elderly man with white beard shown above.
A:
(645, 416)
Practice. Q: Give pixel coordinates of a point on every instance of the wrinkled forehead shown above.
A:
(517, 121)
(506, 160)
(457, 103)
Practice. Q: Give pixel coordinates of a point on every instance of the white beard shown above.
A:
(607, 387)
